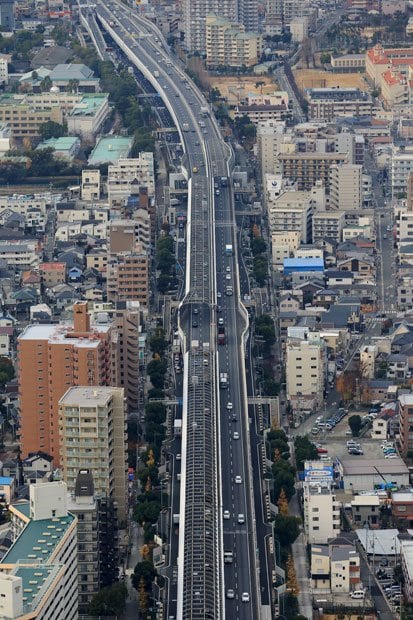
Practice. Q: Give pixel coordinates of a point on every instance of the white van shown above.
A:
(357, 594)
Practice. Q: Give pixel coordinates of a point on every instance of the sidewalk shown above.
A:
(131, 612)
(301, 566)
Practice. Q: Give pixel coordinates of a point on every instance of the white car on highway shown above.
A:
(238, 480)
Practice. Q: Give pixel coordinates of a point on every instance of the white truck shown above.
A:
(156, 74)
(223, 380)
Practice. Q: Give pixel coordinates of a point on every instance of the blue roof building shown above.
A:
(294, 265)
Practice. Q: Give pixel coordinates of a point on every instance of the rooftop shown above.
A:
(38, 540)
(373, 467)
(88, 105)
(36, 581)
(59, 144)
(64, 72)
(379, 542)
(90, 396)
(110, 149)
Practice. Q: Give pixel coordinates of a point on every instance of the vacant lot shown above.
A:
(316, 78)
(234, 88)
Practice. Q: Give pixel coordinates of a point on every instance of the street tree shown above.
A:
(355, 424)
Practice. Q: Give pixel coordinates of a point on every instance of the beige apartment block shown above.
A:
(127, 173)
(227, 43)
(195, 14)
(292, 211)
(92, 429)
(346, 188)
(91, 185)
(305, 373)
(128, 276)
(125, 235)
(306, 169)
(327, 225)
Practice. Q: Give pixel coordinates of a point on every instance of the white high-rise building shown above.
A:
(305, 372)
(321, 512)
(346, 187)
(38, 574)
(195, 11)
(92, 423)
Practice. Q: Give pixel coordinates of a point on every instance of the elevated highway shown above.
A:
(216, 472)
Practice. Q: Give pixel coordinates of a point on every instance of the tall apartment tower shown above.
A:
(346, 187)
(195, 12)
(97, 538)
(92, 429)
(7, 15)
(248, 14)
(127, 366)
(128, 276)
(53, 358)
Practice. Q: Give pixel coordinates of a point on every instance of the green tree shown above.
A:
(355, 424)
(325, 58)
(156, 370)
(110, 601)
(50, 129)
(6, 370)
(305, 450)
(147, 512)
(144, 570)
(286, 529)
(258, 246)
(157, 342)
(283, 480)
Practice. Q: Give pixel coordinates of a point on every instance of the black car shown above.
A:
(194, 323)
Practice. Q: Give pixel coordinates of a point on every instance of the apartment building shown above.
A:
(194, 23)
(353, 145)
(128, 276)
(125, 235)
(92, 429)
(38, 574)
(306, 169)
(401, 169)
(4, 70)
(128, 173)
(52, 274)
(327, 225)
(405, 402)
(292, 211)
(330, 103)
(305, 372)
(24, 118)
(280, 14)
(265, 108)
(346, 187)
(283, 245)
(53, 358)
(321, 512)
(91, 185)
(405, 293)
(127, 366)
(20, 255)
(406, 561)
(248, 14)
(270, 139)
(229, 45)
(97, 538)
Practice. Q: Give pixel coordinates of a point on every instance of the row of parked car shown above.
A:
(354, 448)
(389, 451)
(329, 424)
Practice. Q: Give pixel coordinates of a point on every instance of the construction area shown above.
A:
(318, 78)
(235, 88)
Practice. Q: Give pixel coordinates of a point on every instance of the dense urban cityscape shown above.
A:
(206, 309)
